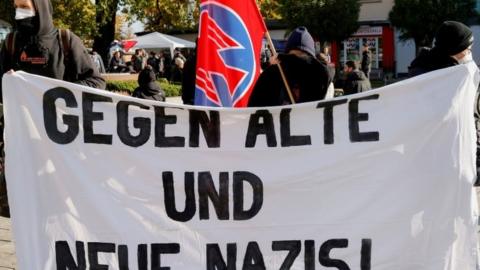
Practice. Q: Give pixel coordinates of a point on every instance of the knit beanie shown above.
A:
(453, 37)
(300, 39)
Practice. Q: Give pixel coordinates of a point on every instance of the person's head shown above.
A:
(300, 40)
(326, 50)
(25, 5)
(365, 47)
(350, 66)
(153, 54)
(454, 39)
(33, 17)
(146, 76)
(117, 54)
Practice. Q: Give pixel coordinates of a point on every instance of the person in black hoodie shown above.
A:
(453, 44)
(307, 77)
(355, 80)
(148, 87)
(36, 47)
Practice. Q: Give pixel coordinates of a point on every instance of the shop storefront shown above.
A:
(380, 40)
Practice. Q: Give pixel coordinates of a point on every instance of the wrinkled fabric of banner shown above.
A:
(380, 180)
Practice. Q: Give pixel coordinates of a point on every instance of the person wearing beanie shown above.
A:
(148, 87)
(307, 77)
(453, 43)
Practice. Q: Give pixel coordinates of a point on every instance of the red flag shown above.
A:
(228, 53)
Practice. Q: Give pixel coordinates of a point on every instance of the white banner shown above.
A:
(376, 181)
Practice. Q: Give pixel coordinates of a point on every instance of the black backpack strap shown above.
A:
(10, 43)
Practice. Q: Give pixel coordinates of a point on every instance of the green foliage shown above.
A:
(171, 90)
(165, 15)
(419, 19)
(270, 9)
(327, 20)
(7, 12)
(78, 16)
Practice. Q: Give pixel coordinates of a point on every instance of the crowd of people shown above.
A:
(300, 74)
(161, 63)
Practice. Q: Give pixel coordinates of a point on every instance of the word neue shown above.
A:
(261, 123)
(150, 256)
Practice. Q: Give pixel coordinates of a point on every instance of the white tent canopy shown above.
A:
(158, 40)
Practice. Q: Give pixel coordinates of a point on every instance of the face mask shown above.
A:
(22, 13)
(467, 58)
(27, 26)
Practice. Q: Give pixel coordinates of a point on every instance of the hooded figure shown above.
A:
(148, 87)
(38, 49)
(307, 77)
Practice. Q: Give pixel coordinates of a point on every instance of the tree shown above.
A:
(7, 11)
(270, 9)
(326, 20)
(166, 15)
(419, 19)
(122, 28)
(78, 16)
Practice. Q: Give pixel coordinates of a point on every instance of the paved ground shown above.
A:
(7, 252)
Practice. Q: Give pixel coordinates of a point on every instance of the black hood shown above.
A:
(44, 11)
(151, 91)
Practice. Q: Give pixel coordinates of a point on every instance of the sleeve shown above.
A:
(102, 66)
(5, 65)
(81, 68)
(477, 126)
(263, 93)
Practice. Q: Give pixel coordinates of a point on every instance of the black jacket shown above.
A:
(151, 91)
(356, 82)
(188, 81)
(46, 44)
(306, 76)
(366, 64)
(430, 60)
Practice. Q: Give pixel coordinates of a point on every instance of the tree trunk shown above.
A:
(105, 19)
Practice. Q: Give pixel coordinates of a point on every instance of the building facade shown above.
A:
(376, 31)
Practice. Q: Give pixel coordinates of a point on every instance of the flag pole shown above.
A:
(284, 78)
